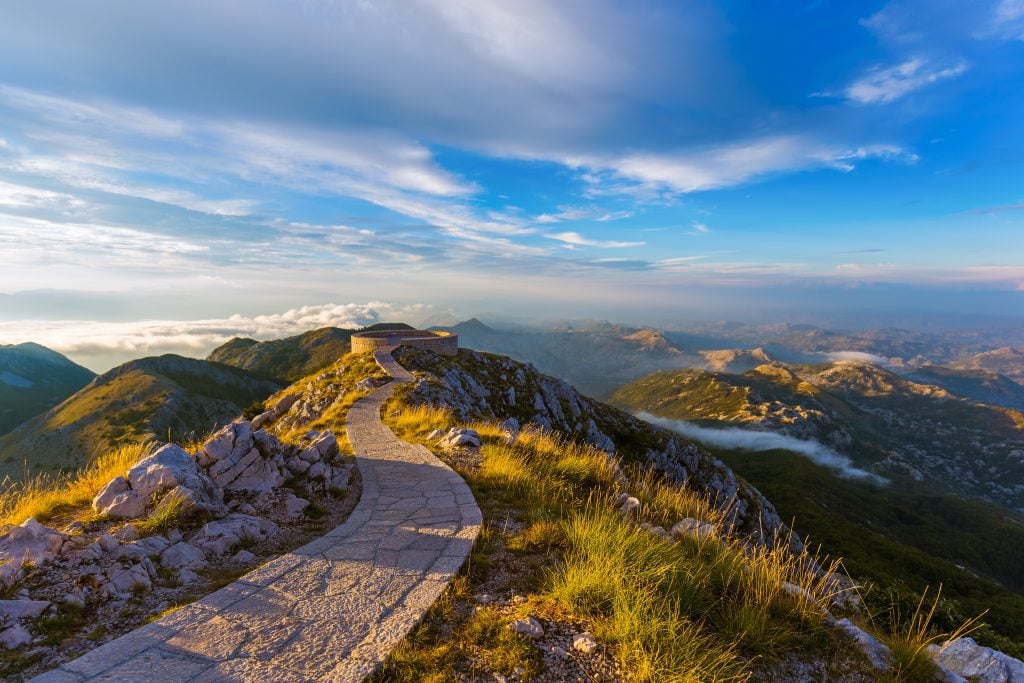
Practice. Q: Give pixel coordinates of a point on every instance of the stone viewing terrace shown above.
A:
(443, 343)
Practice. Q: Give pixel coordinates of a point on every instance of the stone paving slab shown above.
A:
(333, 609)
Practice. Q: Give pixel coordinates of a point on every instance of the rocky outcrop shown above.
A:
(477, 385)
(968, 660)
(168, 474)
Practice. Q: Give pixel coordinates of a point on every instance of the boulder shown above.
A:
(510, 427)
(243, 557)
(877, 653)
(294, 506)
(630, 507)
(168, 467)
(585, 643)
(221, 535)
(122, 581)
(23, 609)
(183, 556)
(528, 627)
(689, 527)
(15, 637)
(30, 543)
(977, 663)
(460, 438)
(320, 471)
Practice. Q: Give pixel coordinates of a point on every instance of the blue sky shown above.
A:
(200, 160)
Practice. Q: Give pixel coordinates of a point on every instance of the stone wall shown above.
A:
(443, 343)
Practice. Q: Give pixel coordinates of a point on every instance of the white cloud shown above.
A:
(882, 85)
(750, 440)
(577, 240)
(581, 213)
(86, 341)
(726, 165)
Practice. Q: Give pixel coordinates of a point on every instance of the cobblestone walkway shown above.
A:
(333, 609)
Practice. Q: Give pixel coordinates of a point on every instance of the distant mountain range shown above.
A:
(33, 379)
(144, 398)
(885, 423)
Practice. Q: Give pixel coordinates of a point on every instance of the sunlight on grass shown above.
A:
(45, 497)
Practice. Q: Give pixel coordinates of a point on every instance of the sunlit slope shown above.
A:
(133, 402)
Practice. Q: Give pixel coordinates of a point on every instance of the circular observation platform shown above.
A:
(443, 343)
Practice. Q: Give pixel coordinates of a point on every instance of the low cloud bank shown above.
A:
(860, 356)
(101, 345)
(749, 440)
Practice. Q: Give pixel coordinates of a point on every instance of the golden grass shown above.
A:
(46, 497)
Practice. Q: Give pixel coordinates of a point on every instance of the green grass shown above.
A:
(705, 608)
(902, 542)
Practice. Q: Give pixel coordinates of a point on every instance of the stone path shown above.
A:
(333, 609)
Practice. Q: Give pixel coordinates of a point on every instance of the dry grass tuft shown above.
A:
(47, 497)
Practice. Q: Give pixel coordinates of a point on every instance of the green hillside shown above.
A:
(287, 360)
(143, 398)
(33, 379)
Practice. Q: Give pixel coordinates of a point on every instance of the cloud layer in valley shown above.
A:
(750, 440)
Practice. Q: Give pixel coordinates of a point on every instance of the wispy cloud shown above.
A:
(881, 85)
(577, 240)
(726, 165)
(581, 213)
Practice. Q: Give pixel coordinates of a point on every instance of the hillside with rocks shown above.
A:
(33, 379)
(1006, 361)
(566, 487)
(289, 359)
(896, 427)
(140, 400)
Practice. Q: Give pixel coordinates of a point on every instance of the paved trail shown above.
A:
(333, 609)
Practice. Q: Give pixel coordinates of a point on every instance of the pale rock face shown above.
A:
(460, 438)
(692, 527)
(294, 506)
(528, 627)
(182, 555)
(319, 471)
(966, 658)
(15, 637)
(876, 652)
(23, 609)
(585, 643)
(219, 536)
(510, 428)
(30, 542)
(629, 507)
(121, 581)
(168, 467)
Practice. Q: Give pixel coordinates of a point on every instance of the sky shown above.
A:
(172, 174)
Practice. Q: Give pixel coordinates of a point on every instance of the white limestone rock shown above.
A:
(692, 527)
(23, 609)
(585, 643)
(29, 543)
(14, 637)
(877, 653)
(630, 507)
(294, 506)
(977, 663)
(221, 535)
(460, 438)
(528, 627)
(182, 555)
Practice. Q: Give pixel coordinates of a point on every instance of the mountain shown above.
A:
(896, 540)
(596, 356)
(1005, 361)
(950, 509)
(133, 402)
(735, 360)
(980, 385)
(917, 433)
(286, 360)
(33, 379)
